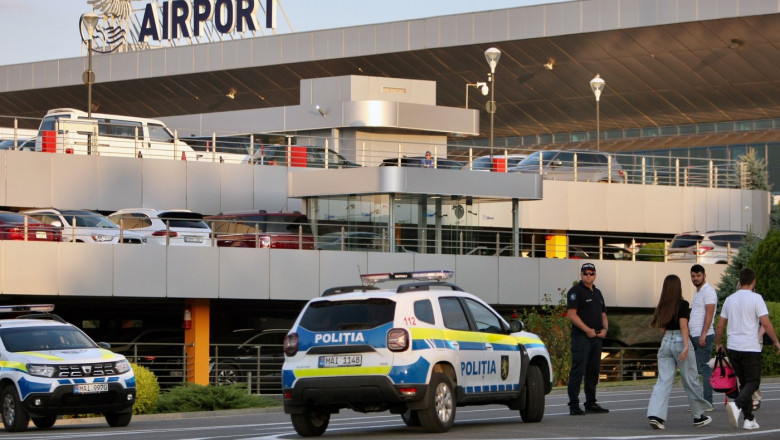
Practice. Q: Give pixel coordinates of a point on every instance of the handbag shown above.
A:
(723, 379)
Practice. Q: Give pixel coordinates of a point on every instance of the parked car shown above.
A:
(21, 144)
(12, 227)
(715, 247)
(249, 353)
(417, 161)
(177, 227)
(592, 166)
(161, 350)
(84, 226)
(356, 241)
(483, 163)
(301, 156)
(279, 230)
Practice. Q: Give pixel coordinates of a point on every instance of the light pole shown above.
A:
(492, 55)
(90, 20)
(482, 86)
(597, 85)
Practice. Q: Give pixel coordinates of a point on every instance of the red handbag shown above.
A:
(723, 379)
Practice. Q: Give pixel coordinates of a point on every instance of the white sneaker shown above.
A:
(734, 414)
(750, 424)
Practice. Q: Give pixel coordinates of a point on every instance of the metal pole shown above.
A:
(598, 127)
(492, 110)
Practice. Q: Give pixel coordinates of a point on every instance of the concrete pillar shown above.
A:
(196, 340)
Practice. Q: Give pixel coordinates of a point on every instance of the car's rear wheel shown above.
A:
(45, 422)
(411, 418)
(228, 375)
(15, 418)
(534, 396)
(310, 423)
(117, 420)
(439, 412)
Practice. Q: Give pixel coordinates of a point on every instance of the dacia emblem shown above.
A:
(504, 367)
(87, 369)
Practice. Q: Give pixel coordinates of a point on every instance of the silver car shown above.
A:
(714, 247)
(82, 226)
(579, 165)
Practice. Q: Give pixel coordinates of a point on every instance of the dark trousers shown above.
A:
(585, 361)
(747, 367)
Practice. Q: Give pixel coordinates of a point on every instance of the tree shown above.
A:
(774, 218)
(751, 172)
(766, 262)
(730, 280)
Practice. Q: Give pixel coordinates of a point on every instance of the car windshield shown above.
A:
(533, 159)
(87, 219)
(323, 316)
(684, 241)
(45, 338)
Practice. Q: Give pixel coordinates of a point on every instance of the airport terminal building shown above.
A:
(690, 87)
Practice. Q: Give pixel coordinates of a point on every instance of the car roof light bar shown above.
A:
(45, 308)
(426, 275)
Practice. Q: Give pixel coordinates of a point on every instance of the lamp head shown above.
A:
(483, 87)
(322, 112)
(90, 21)
(597, 85)
(492, 55)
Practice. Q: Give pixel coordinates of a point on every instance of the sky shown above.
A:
(36, 30)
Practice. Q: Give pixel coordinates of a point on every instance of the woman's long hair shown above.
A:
(669, 303)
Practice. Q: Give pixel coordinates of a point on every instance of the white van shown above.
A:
(67, 130)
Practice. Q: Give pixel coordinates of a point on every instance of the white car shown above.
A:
(499, 162)
(175, 227)
(84, 226)
(712, 247)
(50, 368)
(419, 350)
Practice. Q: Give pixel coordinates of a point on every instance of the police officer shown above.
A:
(588, 316)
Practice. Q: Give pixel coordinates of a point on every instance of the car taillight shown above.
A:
(162, 233)
(14, 234)
(265, 241)
(290, 345)
(397, 339)
(704, 249)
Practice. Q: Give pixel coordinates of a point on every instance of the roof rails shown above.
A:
(426, 275)
(347, 289)
(51, 316)
(414, 287)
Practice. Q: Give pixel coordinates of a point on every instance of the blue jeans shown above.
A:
(703, 355)
(668, 362)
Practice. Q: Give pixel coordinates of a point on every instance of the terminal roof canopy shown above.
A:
(683, 72)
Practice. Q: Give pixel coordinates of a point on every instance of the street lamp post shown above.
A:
(90, 20)
(492, 55)
(597, 85)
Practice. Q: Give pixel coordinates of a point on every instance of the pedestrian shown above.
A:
(588, 316)
(701, 327)
(671, 317)
(428, 161)
(743, 313)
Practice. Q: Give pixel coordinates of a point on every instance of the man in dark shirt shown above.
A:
(588, 316)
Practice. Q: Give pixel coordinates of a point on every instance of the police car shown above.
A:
(49, 367)
(419, 350)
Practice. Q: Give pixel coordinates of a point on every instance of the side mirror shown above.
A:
(555, 163)
(105, 345)
(516, 326)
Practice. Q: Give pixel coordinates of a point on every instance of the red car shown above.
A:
(262, 229)
(12, 228)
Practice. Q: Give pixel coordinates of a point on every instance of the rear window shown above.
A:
(683, 241)
(323, 316)
(736, 240)
(184, 220)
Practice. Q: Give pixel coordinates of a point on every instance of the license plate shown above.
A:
(40, 235)
(90, 388)
(193, 239)
(354, 360)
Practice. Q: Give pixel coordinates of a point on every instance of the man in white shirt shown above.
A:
(744, 312)
(700, 326)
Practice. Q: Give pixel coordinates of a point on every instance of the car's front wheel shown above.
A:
(117, 420)
(15, 418)
(310, 423)
(534, 396)
(439, 412)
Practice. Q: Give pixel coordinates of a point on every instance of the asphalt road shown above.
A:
(628, 405)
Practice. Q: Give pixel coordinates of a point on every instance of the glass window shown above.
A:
(423, 311)
(613, 134)
(159, 133)
(669, 131)
(562, 137)
(45, 338)
(763, 124)
(580, 136)
(631, 132)
(453, 314)
(705, 128)
(323, 316)
(687, 129)
(484, 318)
(724, 127)
(545, 139)
(650, 131)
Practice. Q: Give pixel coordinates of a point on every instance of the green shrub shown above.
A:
(651, 252)
(766, 262)
(147, 390)
(551, 323)
(770, 360)
(191, 397)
